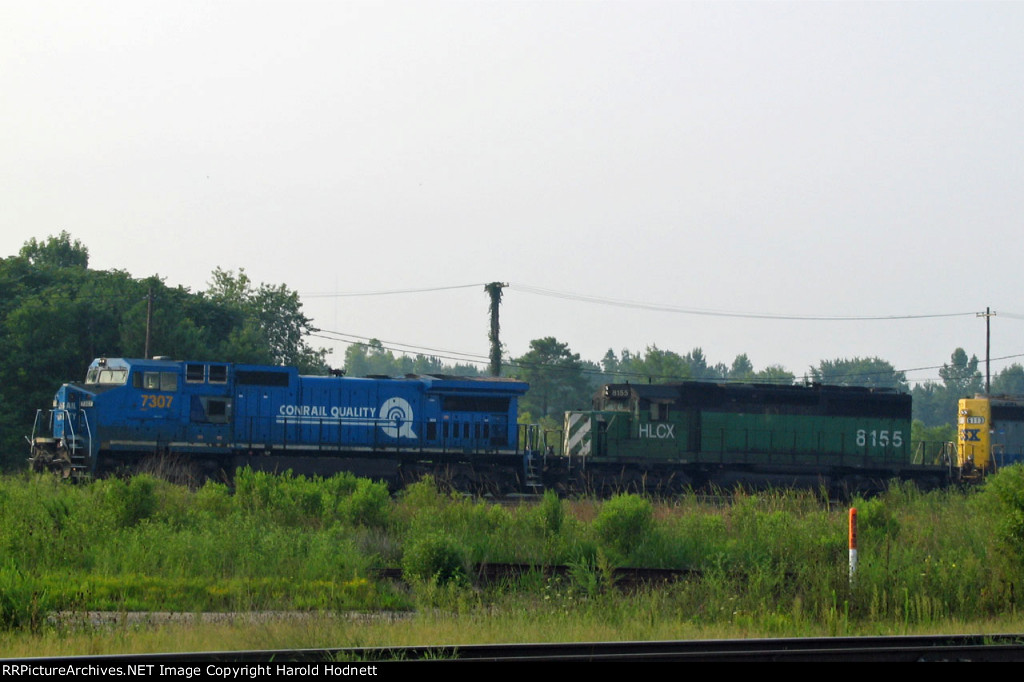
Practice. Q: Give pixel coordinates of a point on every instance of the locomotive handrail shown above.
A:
(88, 431)
(72, 443)
(327, 435)
(942, 452)
(35, 423)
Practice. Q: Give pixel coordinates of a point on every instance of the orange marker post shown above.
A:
(853, 542)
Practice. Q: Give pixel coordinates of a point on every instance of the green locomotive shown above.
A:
(697, 434)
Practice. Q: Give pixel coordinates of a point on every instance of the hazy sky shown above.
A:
(783, 159)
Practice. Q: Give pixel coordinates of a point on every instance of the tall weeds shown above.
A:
(773, 562)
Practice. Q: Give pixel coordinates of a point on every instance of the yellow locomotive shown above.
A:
(990, 433)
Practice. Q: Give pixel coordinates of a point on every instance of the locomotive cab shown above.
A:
(118, 399)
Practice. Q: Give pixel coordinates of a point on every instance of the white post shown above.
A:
(853, 542)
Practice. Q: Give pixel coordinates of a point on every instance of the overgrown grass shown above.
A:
(769, 564)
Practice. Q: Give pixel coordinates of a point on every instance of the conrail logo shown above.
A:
(395, 417)
(398, 412)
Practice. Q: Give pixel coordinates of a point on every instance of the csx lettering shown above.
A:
(657, 431)
(971, 435)
(156, 401)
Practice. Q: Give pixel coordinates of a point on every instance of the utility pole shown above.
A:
(494, 290)
(988, 315)
(149, 318)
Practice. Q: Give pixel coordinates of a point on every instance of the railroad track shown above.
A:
(980, 648)
(623, 577)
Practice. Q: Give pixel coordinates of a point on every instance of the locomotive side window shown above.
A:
(195, 374)
(156, 381)
(109, 377)
(218, 374)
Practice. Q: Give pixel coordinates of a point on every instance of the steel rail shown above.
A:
(1003, 647)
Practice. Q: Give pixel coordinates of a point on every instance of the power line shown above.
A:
(639, 305)
(658, 307)
(481, 359)
(396, 346)
(390, 292)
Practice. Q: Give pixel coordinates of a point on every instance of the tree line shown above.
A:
(560, 380)
(57, 314)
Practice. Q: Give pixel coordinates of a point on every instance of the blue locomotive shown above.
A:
(218, 416)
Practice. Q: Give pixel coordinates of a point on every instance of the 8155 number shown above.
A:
(879, 438)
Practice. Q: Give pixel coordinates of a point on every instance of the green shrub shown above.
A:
(434, 558)
(422, 495)
(876, 516)
(624, 523)
(1002, 498)
(369, 504)
(213, 499)
(550, 513)
(131, 502)
(23, 605)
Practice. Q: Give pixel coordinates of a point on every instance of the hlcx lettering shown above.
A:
(657, 430)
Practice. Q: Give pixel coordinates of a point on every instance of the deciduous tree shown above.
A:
(556, 379)
(871, 372)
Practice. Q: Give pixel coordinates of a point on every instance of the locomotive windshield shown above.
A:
(104, 376)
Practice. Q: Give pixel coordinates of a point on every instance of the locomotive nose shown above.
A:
(60, 436)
